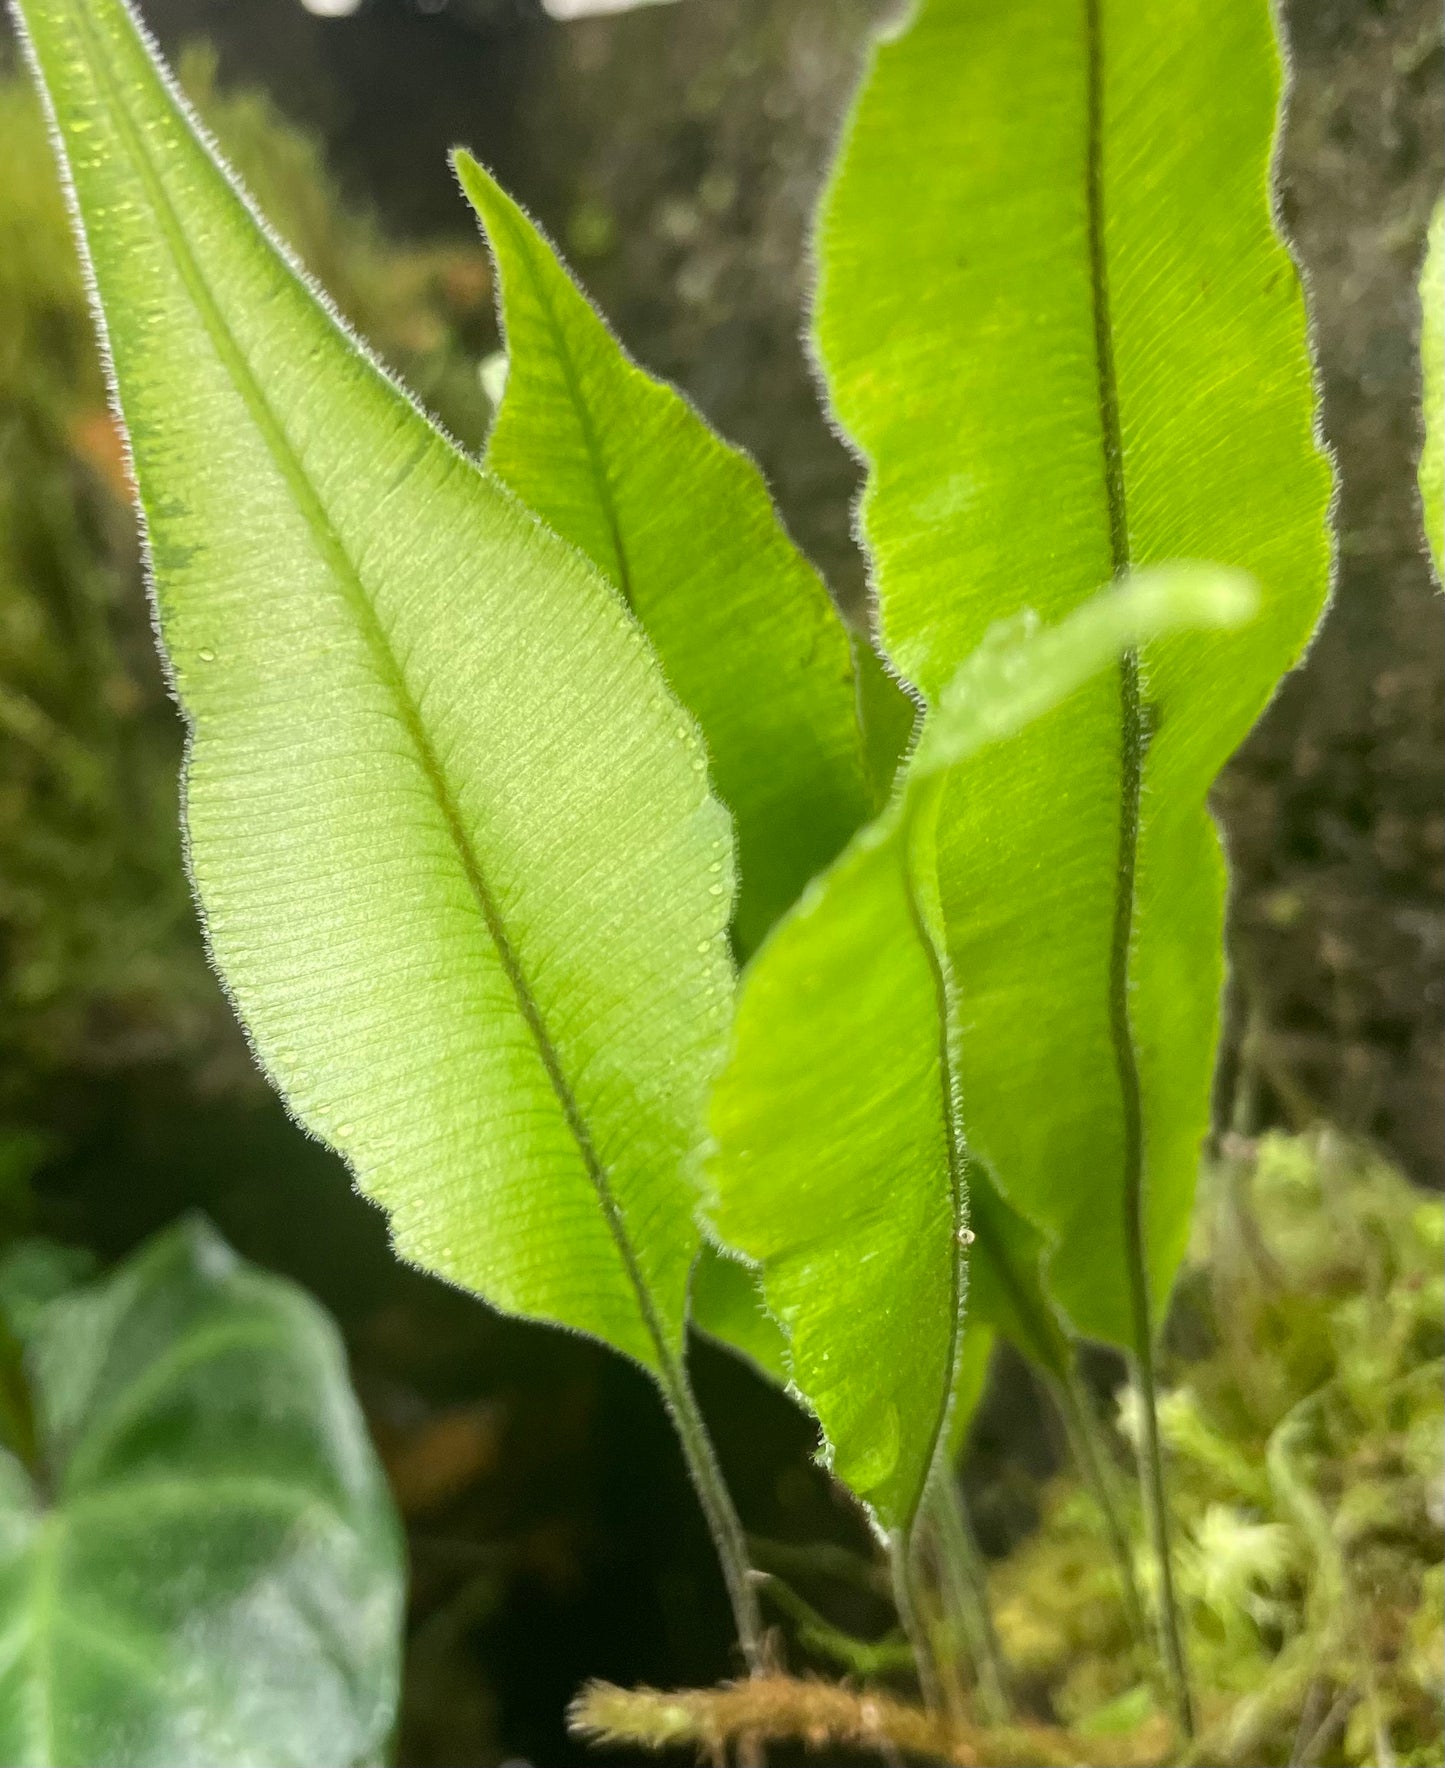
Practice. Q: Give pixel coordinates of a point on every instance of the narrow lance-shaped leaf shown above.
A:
(843, 1174)
(452, 835)
(1058, 325)
(623, 467)
(803, 725)
(1432, 387)
(207, 1567)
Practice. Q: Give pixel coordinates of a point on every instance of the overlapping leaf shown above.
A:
(621, 465)
(208, 1568)
(727, 1305)
(1058, 325)
(840, 1167)
(451, 832)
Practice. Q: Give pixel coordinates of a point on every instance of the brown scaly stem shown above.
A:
(817, 1714)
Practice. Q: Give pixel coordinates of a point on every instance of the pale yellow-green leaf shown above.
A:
(451, 832)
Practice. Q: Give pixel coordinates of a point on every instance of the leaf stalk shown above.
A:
(718, 1508)
(1081, 1427)
(903, 1568)
(1156, 1508)
(963, 1588)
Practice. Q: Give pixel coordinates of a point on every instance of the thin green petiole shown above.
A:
(1082, 1429)
(903, 1569)
(719, 1510)
(1156, 1506)
(963, 1586)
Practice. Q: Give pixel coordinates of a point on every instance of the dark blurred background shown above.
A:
(674, 152)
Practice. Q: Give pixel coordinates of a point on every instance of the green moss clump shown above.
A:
(1306, 1451)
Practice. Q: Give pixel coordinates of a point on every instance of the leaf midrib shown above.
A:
(347, 573)
(1131, 722)
(957, 1146)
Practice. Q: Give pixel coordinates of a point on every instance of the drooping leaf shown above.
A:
(727, 1306)
(835, 1170)
(1432, 386)
(623, 467)
(207, 1568)
(1058, 325)
(726, 1302)
(452, 835)
(840, 1168)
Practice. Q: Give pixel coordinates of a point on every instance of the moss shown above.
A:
(1303, 1424)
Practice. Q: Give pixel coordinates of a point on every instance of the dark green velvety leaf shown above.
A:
(207, 1569)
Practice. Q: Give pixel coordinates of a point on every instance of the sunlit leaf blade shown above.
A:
(839, 1167)
(1432, 385)
(1057, 323)
(209, 1569)
(833, 1166)
(623, 467)
(452, 835)
(889, 715)
(727, 1305)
